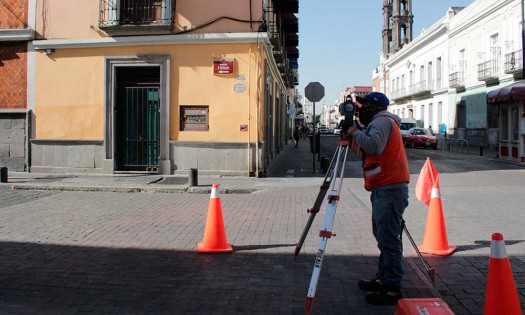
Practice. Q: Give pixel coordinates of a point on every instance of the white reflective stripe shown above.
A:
(497, 249)
(214, 193)
(376, 170)
(435, 193)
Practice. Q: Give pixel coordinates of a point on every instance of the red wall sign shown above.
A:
(223, 67)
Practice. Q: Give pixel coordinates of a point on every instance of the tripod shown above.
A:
(333, 181)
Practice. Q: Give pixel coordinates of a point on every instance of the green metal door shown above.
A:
(137, 128)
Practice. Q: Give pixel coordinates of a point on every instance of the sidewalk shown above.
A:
(265, 217)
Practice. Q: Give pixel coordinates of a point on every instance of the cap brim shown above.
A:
(362, 100)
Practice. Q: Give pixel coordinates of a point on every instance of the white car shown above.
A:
(323, 130)
(337, 131)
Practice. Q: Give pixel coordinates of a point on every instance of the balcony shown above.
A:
(514, 62)
(399, 94)
(488, 71)
(456, 80)
(136, 17)
(421, 88)
(414, 91)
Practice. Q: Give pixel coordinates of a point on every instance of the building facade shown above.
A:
(15, 34)
(442, 78)
(162, 86)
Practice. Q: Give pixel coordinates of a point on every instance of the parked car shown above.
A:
(420, 137)
(406, 124)
(323, 130)
(337, 131)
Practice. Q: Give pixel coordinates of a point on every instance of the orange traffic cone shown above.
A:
(435, 241)
(501, 296)
(214, 232)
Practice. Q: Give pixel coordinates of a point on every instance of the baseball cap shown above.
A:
(377, 98)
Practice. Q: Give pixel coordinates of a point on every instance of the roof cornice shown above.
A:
(215, 38)
(16, 35)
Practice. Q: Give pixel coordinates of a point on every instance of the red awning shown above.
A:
(510, 93)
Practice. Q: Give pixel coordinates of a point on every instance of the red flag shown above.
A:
(428, 178)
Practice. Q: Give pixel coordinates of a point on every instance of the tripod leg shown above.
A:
(430, 271)
(330, 174)
(326, 232)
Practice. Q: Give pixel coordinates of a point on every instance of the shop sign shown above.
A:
(223, 66)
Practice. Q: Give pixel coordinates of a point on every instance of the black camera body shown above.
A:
(347, 109)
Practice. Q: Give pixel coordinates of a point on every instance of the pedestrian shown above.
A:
(386, 176)
(430, 130)
(304, 131)
(296, 135)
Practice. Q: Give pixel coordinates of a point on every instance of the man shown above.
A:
(386, 175)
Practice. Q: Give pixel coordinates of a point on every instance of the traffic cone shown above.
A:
(501, 296)
(435, 241)
(214, 233)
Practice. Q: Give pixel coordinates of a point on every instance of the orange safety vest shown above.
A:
(391, 166)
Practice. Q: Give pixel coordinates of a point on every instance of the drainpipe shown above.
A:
(257, 112)
(522, 43)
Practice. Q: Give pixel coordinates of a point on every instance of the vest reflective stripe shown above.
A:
(374, 171)
(391, 166)
(497, 249)
(435, 193)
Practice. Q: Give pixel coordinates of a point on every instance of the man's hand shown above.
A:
(351, 130)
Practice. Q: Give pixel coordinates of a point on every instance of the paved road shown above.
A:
(81, 252)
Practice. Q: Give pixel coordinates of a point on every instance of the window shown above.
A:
(194, 118)
(440, 113)
(504, 124)
(423, 114)
(136, 12)
(430, 116)
(429, 76)
(514, 123)
(438, 73)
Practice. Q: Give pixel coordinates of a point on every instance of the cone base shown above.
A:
(438, 252)
(203, 249)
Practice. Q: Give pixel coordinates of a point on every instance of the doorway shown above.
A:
(509, 132)
(137, 119)
(136, 136)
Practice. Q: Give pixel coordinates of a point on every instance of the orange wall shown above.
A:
(69, 98)
(60, 19)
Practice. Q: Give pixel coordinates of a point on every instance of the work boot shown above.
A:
(387, 297)
(372, 285)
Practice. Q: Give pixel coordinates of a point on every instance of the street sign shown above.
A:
(314, 92)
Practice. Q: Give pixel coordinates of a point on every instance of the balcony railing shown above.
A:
(421, 87)
(397, 94)
(456, 79)
(514, 62)
(413, 90)
(488, 70)
(119, 14)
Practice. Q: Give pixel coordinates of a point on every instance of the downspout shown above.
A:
(249, 159)
(257, 112)
(30, 84)
(251, 23)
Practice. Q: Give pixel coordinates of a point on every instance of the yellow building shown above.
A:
(162, 85)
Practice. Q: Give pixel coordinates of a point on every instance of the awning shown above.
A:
(510, 93)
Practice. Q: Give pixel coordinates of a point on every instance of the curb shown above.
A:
(192, 190)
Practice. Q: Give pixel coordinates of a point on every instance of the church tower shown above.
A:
(397, 24)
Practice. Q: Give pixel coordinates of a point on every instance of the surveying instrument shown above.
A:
(332, 184)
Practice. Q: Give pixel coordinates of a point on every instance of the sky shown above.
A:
(340, 40)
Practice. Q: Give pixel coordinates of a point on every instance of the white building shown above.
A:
(442, 77)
